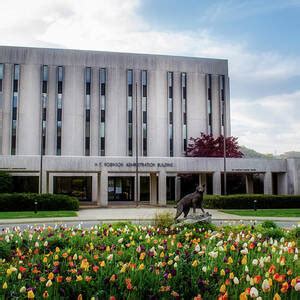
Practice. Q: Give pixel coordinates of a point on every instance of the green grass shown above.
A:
(39, 214)
(284, 212)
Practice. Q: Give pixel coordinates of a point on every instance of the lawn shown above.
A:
(125, 261)
(284, 212)
(39, 214)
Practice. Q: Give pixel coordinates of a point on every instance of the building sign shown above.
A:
(133, 164)
(243, 170)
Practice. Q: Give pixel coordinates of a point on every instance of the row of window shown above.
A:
(130, 105)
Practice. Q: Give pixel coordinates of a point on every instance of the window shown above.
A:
(144, 111)
(209, 102)
(222, 102)
(129, 110)
(102, 110)
(44, 101)
(59, 100)
(170, 112)
(88, 77)
(15, 101)
(1, 77)
(184, 111)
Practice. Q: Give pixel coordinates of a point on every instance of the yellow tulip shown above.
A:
(223, 289)
(276, 297)
(195, 263)
(4, 286)
(30, 294)
(222, 272)
(102, 263)
(244, 260)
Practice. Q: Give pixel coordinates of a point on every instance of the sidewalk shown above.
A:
(137, 214)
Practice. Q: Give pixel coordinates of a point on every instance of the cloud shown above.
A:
(268, 124)
(116, 25)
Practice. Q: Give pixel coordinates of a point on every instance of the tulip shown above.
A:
(23, 289)
(223, 289)
(253, 292)
(195, 263)
(30, 294)
(276, 297)
(244, 260)
(45, 295)
(4, 286)
(266, 285)
(297, 287)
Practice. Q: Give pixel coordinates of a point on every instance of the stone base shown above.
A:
(191, 219)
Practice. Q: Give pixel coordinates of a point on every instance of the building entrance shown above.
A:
(120, 188)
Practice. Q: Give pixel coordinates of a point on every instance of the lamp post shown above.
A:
(136, 149)
(224, 136)
(41, 149)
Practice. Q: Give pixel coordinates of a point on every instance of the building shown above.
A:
(78, 118)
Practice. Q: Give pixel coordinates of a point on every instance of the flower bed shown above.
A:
(125, 261)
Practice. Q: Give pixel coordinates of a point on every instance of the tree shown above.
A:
(208, 146)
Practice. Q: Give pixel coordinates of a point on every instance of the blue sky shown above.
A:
(260, 39)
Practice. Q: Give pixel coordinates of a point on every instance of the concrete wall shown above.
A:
(73, 118)
(102, 167)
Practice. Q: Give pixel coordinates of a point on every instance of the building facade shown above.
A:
(80, 118)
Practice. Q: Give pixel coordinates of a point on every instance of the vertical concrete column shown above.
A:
(51, 181)
(162, 188)
(44, 182)
(6, 109)
(103, 188)
(138, 185)
(268, 183)
(94, 187)
(217, 183)
(202, 181)
(153, 189)
(249, 184)
(216, 124)
(177, 188)
(282, 184)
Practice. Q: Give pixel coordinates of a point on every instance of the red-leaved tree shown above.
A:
(208, 146)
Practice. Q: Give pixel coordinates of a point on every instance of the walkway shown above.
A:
(142, 214)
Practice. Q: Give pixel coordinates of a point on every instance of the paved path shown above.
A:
(141, 215)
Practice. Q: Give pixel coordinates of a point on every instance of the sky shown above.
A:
(259, 38)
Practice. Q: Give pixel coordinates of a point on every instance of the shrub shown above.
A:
(6, 182)
(269, 224)
(247, 201)
(275, 233)
(163, 220)
(25, 202)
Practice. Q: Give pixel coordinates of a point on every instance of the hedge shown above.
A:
(25, 202)
(247, 201)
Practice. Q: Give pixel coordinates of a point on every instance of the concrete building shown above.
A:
(80, 116)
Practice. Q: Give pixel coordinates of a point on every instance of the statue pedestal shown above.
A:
(192, 219)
